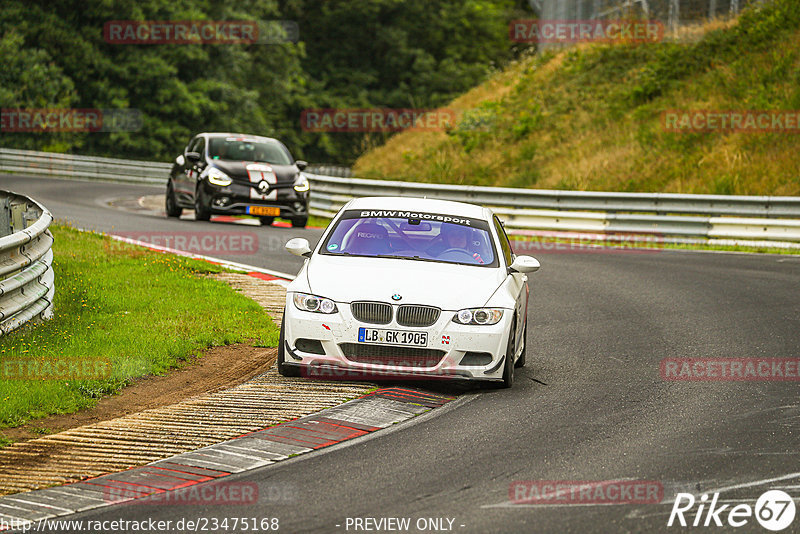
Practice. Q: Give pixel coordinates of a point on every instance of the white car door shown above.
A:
(517, 283)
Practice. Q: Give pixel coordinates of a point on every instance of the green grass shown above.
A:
(144, 311)
(590, 117)
(319, 222)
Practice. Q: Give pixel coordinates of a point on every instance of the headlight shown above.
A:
(478, 316)
(302, 185)
(313, 303)
(217, 177)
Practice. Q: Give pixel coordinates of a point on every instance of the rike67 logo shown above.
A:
(774, 510)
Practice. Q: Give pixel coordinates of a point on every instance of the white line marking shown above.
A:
(756, 483)
(509, 504)
(225, 263)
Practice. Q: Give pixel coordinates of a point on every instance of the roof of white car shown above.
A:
(425, 205)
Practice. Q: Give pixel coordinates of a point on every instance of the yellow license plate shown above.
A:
(265, 211)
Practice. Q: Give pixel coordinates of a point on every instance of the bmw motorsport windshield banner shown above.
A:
(414, 216)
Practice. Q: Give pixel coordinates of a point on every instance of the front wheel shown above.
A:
(508, 367)
(299, 222)
(171, 205)
(201, 211)
(283, 369)
(521, 360)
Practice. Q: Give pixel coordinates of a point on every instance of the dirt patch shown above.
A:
(218, 368)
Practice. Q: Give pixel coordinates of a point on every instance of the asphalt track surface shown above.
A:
(590, 406)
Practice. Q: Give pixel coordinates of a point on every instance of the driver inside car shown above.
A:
(222, 152)
(458, 238)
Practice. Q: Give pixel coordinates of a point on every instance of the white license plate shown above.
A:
(392, 337)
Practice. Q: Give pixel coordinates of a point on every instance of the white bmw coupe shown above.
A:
(403, 287)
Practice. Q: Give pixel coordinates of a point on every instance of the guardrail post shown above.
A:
(5, 217)
(674, 16)
(17, 216)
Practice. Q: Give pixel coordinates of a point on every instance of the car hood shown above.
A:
(238, 170)
(447, 286)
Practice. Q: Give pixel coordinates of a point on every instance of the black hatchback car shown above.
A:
(235, 174)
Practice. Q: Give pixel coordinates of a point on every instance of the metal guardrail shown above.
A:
(660, 203)
(664, 214)
(26, 262)
(326, 169)
(769, 218)
(69, 166)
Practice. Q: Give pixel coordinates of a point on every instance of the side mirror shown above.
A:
(524, 264)
(301, 164)
(299, 247)
(179, 161)
(193, 156)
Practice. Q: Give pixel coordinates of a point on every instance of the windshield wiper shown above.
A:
(397, 257)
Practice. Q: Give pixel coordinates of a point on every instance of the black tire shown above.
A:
(508, 365)
(170, 204)
(283, 369)
(521, 361)
(266, 221)
(201, 211)
(299, 222)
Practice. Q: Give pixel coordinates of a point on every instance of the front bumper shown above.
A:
(235, 199)
(453, 351)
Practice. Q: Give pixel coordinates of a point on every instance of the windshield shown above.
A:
(238, 149)
(412, 235)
